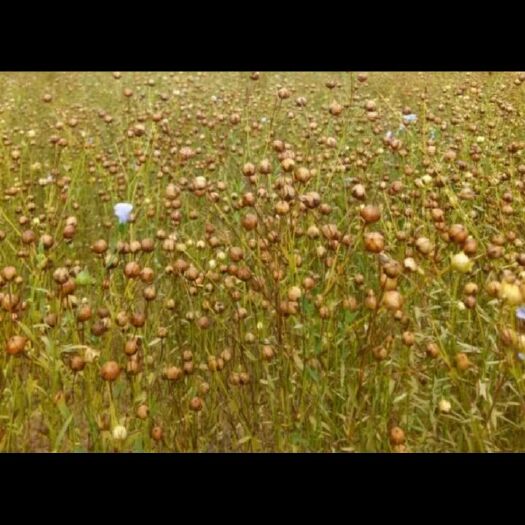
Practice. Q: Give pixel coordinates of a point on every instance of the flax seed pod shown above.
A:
(397, 436)
(110, 371)
(16, 344)
(370, 214)
(374, 242)
(196, 404)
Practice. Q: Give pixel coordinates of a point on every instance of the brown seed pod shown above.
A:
(149, 293)
(84, 313)
(359, 192)
(469, 302)
(110, 371)
(282, 208)
(350, 303)
(283, 93)
(16, 344)
(134, 246)
(470, 288)
(203, 322)
(51, 319)
(249, 221)
(462, 362)
(458, 233)
(308, 283)
(380, 353)
(10, 302)
(397, 436)
(156, 433)
(9, 273)
(424, 245)
(374, 242)
(132, 346)
(244, 274)
(143, 411)
(191, 273)
(99, 328)
(409, 338)
(196, 404)
(393, 300)
(147, 275)
(132, 270)
(370, 214)
(432, 350)
(77, 363)
(265, 167)
(248, 169)
(226, 355)
(69, 231)
(294, 293)
(236, 254)
(234, 379)
(68, 287)
(267, 353)
(147, 245)
(28, 237)
(137, 319)
(470, 246)
(335, 108)
(173, 373)
(99, 247)
(302, 175)
(392, 269)
(122, 319)
(47, 241)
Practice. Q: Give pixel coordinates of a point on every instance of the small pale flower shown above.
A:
(461, 262)
(123, 211)
(510, 293)
(120, 433)
(409, 118)
(520, 313)
(445, 406)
